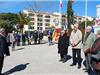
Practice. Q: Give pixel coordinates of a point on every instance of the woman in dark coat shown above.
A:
(63, 44)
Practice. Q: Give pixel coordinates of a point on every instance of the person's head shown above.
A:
(88, 29)
(2, 31)
(62, 32)
(75, 27)
(13, 32)
(98, 34)
(66, 31)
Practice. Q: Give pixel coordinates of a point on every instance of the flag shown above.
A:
(55, 36)
(98, 21)
(60, 3)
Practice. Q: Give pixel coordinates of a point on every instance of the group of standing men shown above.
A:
(91, 43)
(17, 38)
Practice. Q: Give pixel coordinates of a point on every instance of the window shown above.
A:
(47, 24)
(32, 19)
(39, 24)
(47, 16)
(31, 14)
(47, 20)
(39, 15)
(39, 19)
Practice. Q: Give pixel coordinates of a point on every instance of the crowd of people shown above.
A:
(90, 44)
(17, 38)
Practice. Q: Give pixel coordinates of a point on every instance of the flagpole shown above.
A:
(60, 6)
(85, 16)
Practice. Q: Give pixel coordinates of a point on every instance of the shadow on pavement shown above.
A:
(40, 43)
(17, 68)
(19, 49)
(68, 57)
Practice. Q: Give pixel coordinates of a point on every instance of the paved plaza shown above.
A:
(39, 60)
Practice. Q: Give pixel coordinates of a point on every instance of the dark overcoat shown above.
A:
(63, 43)
(4, 50)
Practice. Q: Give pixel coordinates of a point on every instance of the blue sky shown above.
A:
(48, 6)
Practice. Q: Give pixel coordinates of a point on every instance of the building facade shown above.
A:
(44, 21)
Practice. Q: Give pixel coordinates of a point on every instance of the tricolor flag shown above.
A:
(60, 3)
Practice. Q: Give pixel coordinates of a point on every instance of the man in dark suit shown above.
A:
(4, 50)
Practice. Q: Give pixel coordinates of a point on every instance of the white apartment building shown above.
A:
(44, 21)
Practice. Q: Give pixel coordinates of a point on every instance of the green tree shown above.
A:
(8, 20)
(11, 17)
(6, 25)
(69, 14)
(23, 19)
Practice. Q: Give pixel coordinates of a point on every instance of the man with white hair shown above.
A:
(76, 43)
(4, 50)
(89, 39)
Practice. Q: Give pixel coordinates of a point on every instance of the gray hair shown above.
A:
(89, 27)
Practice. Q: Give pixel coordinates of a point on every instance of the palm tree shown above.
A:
(23, 19)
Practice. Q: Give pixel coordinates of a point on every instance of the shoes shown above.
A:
(79, 66)
(88, 70)
(60, 60)
(1, 74)
(73, 64)
(64, 60)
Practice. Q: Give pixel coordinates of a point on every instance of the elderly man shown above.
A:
(3, 48)
(76, 43)
(87, 44)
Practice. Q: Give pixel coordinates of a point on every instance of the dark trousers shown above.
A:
(1, 63)
(61, 56)
(18, 42)
(88, 61)
(98, 72)
(78, 58)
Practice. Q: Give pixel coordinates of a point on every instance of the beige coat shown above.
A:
(75, 37)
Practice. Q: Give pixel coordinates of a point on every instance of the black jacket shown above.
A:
(63, 44)
(3, 46)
